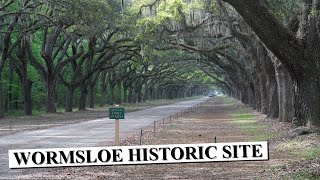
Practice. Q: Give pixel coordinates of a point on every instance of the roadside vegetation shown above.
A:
(301, 150)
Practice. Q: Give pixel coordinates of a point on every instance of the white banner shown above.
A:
(149, 154)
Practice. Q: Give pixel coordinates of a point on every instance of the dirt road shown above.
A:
(91, 133)
(213, 119)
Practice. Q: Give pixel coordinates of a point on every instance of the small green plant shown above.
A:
(300, 149)
(227, 100)
(266, 136)
(248, 124)
(299, 175)
(314, 12)
(244, 116)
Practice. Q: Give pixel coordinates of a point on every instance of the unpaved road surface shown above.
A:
(212, 119)
(86, 134)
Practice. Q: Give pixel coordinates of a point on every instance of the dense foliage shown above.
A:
(62, 53)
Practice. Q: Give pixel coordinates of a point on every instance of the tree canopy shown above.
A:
(61, 53)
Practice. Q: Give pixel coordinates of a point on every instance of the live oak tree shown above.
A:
(59, 38)
(8, 23)
(299, 54)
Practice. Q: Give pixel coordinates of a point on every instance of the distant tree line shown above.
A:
(81, 53)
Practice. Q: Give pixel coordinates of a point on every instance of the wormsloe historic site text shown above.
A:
(150, 154)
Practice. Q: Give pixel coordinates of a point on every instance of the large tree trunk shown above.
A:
(164, 94)
(139, 95)
(27, 97)
(299, 56)
(118, 92)
(262, 81)
(130, 98)
(271, 84)
(146, 93)
(103, 89)
(134, 96)
(273, 102)
(69, 99)
(22, 71)
(285, 92)
(307, 105)
(307, 85)
(255, 71)
(154, 94)
(91, 95)
(263, 93)
(92, 91)
(9, 105)
(83, 97)
(151, 92)
(51, 97)
(125, 96)
(257, 95)
(1, 97)
(251, 97)
(111, 98)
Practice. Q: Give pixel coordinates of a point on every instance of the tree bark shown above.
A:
(9, 105)
(245, 95)
(91, 95)
(118, 91)
(262, 85)
(1, 98)
(83, 97)
(146, 93)
(257, 95)
(130, 94)
(307, 106)
(51, 97)
(269, 69)
(69, 99)
(285, 92)
(139, 95)
(111, 98)
(27, 97)
(307, 86)
(125, 96)
(103, 89)
(273, 102)
(299, 56)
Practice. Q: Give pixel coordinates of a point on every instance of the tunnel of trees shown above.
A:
(80, 53)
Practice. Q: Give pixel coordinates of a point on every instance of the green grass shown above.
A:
(299, 175)
(227, 100)
(266, 136)
(248, 124)
(300, 149)
(241, 116)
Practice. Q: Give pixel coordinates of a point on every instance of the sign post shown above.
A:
(116, 132)
(116, 114)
